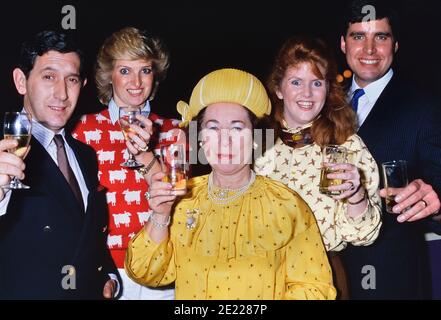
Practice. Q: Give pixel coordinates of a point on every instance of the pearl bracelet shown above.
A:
(158, 224)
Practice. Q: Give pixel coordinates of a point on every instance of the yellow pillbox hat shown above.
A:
(226, 85)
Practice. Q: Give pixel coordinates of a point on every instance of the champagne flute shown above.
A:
(127, 116)
(17, 126)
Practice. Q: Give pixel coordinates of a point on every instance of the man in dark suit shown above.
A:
(396, 123)
(53, 235)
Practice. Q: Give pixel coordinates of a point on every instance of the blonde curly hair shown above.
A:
(136, 44)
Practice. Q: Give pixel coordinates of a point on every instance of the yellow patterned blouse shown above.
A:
(263, 245)
(299, 169)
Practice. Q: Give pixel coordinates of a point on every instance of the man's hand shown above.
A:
(418, 196)
(109, 289)
(10, 164)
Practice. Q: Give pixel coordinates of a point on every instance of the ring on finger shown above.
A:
(352, 187)
(425, 203)
(143, 149)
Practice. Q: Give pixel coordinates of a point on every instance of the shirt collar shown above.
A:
(287, 128)
(44, 135)
(114, 110)
(374, 89)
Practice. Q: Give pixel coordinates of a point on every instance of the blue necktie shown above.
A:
(357, 94)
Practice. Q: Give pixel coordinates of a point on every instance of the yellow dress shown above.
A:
(264, 245)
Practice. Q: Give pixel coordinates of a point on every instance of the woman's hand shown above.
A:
(160, 194)
(350, 176)
(140, 136)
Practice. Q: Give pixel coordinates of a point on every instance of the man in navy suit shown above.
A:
(397, 123)
(53, 235)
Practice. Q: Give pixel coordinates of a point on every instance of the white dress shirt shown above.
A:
(114, 110)
(371, 94)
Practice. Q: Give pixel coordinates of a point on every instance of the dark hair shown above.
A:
(44, 42)
(337, 120)
(353, 13)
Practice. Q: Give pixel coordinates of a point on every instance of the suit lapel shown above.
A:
(44, 176)
(381, 114)
(96, 215)
(86, 167)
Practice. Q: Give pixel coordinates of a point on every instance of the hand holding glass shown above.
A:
(332, 154)
(17, 126)
(127, 116)
(174, 166)
(394, 176)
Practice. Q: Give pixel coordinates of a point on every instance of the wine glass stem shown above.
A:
(131, 157)
(14, 182)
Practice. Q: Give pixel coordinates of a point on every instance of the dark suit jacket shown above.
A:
(403, 124)
(45, 229)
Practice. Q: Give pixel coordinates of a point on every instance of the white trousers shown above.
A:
(135, 291)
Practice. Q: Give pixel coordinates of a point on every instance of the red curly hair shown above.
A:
(337, 121)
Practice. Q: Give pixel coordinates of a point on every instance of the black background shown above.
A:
(203, 36)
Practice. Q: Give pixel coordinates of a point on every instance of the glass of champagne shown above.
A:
(17, 126)
(127, 116)
(332, 154)
(173, 164)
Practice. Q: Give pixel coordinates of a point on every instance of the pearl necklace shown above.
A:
(221, 197)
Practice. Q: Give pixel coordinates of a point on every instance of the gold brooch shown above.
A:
(191, 218)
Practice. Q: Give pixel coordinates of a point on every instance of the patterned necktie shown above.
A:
(358, 93)
(66, 170)
(298, 139)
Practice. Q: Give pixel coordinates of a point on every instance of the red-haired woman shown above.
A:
(311, 111)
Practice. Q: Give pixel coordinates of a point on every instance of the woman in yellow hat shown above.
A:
(234, 235)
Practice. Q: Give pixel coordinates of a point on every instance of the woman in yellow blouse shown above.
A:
(311, 111)
(234, 235)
